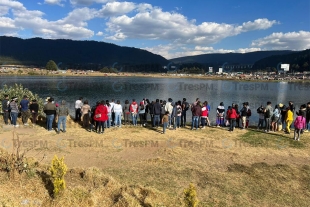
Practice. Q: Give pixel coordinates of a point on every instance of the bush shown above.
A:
(33, 73)
(19, 91)
(16, 162)
(190, 196)
(58, 170)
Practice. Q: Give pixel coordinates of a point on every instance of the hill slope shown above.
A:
(298, 61)
(241, 58)
(70, 53)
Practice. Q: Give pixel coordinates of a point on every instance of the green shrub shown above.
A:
(33, 73)
(19, 91)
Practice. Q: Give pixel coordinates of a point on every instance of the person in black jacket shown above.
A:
(5, 109)
(34, 109)
(50, 111)
(185, 107)
(150, 108)
(156, 112)
(196, 112)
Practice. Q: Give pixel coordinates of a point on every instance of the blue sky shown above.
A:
(171, 28)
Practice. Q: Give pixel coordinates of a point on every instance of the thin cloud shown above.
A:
(54, 2)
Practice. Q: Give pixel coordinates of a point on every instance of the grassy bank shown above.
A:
(137, 166)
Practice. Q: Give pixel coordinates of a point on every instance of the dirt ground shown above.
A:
(135, 144)
(166, 162)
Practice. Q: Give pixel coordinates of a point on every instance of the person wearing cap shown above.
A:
(62, 112)
(24, 108)
(5, 109)
(14, 111)
(50, 111)
(34, 109)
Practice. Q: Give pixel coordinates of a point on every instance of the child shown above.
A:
(220, 111)
(165, 121)
(299, 124)
(261, 119)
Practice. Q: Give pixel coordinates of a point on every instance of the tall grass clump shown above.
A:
(190, 196)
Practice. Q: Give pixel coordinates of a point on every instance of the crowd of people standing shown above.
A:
(168, 114)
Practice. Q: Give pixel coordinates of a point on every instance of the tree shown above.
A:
(305, 65)
(51, 65)
(297, 67)
(105, 70)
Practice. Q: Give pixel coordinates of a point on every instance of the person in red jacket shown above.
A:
(204, 114)
(101, 115)
(232, 116)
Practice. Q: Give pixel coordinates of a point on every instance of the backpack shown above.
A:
(142, 107)
(134, 107)
(260, 110)
(298, 124)
(249, 113)
(244, 111)
(185, 106)
(268, 113)
(179, 110)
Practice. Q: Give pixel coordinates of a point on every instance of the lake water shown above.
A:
(122, 88)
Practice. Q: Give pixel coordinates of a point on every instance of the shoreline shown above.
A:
(155, 75)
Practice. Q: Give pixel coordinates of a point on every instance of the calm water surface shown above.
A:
(122, 88)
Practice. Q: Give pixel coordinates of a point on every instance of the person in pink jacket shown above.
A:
(299, 124)
(101, 115)
(134, 111)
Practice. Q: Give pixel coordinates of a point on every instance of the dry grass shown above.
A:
(136, 166)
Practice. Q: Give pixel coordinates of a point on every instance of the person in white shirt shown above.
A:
(78, 106)
(118, 110)
(169, 108)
